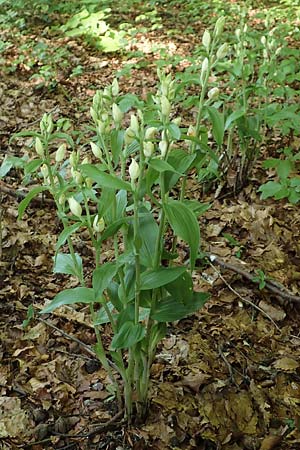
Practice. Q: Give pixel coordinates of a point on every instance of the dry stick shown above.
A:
(268, 284)
(72, 338)
(244, 299)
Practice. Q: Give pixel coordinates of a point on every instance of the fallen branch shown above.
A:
(280, 291)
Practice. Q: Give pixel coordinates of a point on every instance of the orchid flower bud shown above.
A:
(238, 33)
(134, 123)
(163, 147)
(222, 51)
(76, 176)
(134, 170)
(150, 133)
(177, 121)
(148, 149)
(60, 153)
(39, 148)
(117, 114)
(219, 26)
(62, 199)
(206, 40)
(73, 159)
(86, 160)
(98, 224)
(115, 87)
(44, 170)
(165, 106)
(100, 127)
(213, 93)
(50, 125)
(204, 69)
(263, 40)
(75, 207)
(97, 152)
(191, 131)
(129, 136)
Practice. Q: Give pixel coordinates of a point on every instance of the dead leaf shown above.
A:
(287, 364)
(270, 442)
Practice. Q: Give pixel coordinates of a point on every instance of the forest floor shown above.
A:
(227, 377)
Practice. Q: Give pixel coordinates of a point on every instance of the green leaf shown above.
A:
(162, 166)
(157, 333)
(182, 288)
(102, 276)
(174, 131)
(32, 166)
(128, 335)
(152, 279)
(64, 263)
(269, 189)
(169, 309)
(69, 297)
(29, 316)
(25, 202)
(9, 162)
(284, 168)
(217, 119)
(117, 137)
(64, 136)
(65, 234)
(233, 117)
(185, 225)
(148, 231)
(104, 179)
(102, 316)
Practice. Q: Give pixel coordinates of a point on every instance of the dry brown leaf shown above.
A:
(270, 442)
(287, 364)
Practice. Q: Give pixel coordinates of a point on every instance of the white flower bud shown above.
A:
(206, 40)
(263, 40)
(219, 26)
(73, 159)
(98, 224)
(213, 93)
(76, 176)
(117, 114)
(97, 152)
(165, 106)
(150, 133)
(39, 148)
(134, 170)
(191, 131)
(204, 69)
(75, 207)
(89, 182)
(245, 28)
(148, 149)
(177, 121)
(50, 125)
(222, 51)
(115, 87)
(44, 170)
(129, 136)
(86, 160)
(100, 127)
(134, 123)
(60, 153)
(163, 147)
(238, 33)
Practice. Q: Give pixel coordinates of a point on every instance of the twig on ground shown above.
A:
(244, 299)
(271, 286)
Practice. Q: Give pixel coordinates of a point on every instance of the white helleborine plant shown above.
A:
(206, 40)
(148, 149)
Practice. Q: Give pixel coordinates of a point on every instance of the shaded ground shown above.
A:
(226, 378)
